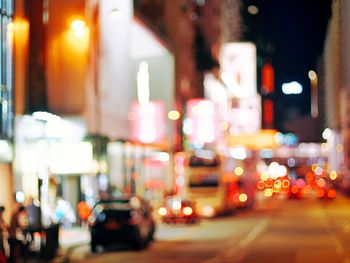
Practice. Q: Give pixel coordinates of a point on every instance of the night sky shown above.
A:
(294, 31)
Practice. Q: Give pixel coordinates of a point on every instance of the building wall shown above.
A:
(21, 42)
(6, 103)
(67, 55)
(332, 64)
(345, 79)
(179, 28)
(110, 92)
(50, 63)
(6, 193)
(336, 82)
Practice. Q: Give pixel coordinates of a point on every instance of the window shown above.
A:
(196, 161)
(6, 69)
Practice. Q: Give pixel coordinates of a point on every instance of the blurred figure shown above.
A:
(84, 211)
(17, 237)
(34, 214)
(64, 213)
(3, 236)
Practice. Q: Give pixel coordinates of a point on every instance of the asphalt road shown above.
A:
(275, 230)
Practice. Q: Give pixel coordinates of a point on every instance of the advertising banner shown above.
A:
(238, 68)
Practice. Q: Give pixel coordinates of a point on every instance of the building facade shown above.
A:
(336, 83)
(6, 103)
(77, 64)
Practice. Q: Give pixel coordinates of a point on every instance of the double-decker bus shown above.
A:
(218, 184)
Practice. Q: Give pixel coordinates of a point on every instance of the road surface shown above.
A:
(275, 230)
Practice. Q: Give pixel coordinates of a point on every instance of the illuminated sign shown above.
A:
(238, 68)
(268, 78)
(268, 112)
(71, 158)
(6, 153)
(259, 140)
(293, 87)
(245, 115)
(216, 91)
(202, 121)
(147, 122)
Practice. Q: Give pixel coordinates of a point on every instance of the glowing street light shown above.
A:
(79, 28)
(174, 115)
(314, 101)
(293, 87)
(253, 10)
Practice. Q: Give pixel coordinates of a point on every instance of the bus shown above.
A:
(218, 184)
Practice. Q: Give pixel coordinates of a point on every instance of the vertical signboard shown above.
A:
(147, 122)
(238, 73)
(202, 121)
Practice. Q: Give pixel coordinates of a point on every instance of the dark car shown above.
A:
(178, 210)
(122, 220)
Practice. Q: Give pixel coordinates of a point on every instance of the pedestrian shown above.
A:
(84, 211)
(17, 234)
(34, 214)
(3, 236)
(65, 213)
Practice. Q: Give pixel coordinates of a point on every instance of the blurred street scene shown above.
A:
(176, 130)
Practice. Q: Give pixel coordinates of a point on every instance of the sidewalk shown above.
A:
(69, 241)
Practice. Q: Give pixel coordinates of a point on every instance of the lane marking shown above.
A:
(337, 244)
(249, 238)
(252, 235)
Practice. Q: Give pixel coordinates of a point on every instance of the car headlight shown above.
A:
(187, 210)
(162, 211)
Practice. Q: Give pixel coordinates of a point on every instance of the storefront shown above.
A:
(6, 194)
(53, 161)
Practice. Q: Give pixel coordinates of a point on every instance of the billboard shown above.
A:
(238, 68)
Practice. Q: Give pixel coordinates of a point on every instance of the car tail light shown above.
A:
(320, 193)
(187, 210)
(294, 189)
(162, 211)
(331, 193)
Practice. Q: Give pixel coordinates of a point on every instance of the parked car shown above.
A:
(126, 219)
(178, 210)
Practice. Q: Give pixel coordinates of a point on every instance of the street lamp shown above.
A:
(314, 100)
(79, 28)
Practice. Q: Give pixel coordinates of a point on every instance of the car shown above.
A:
(126, 219)
(178, 210)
